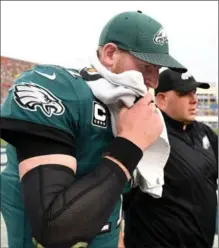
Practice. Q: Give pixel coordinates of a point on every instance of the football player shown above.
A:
(66, 170)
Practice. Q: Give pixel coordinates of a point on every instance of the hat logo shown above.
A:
(160, 37)
(186, 75)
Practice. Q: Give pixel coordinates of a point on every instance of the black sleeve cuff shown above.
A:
(13, 130)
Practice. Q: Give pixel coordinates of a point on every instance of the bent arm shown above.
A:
(62, 210)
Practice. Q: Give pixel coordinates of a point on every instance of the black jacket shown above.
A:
(185, 215)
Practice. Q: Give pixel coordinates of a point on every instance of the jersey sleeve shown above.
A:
(43, 101)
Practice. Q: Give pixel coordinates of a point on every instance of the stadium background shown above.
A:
(11, 68)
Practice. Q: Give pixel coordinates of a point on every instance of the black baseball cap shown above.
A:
(180, 82)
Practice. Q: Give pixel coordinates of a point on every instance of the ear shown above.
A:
(109, 54)
(160, 100)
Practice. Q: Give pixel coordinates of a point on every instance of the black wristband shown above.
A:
(125, 152)
(114, 166)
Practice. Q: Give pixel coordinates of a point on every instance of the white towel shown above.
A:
(117, 89)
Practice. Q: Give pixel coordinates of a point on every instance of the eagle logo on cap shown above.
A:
(186, 75)
(160, 37)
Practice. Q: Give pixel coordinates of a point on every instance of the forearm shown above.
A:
(64, 211)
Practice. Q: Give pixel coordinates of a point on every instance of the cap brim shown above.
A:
(193, 86)
(203, 85)
(160, 59)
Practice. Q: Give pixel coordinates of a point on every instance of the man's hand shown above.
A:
(140, 124)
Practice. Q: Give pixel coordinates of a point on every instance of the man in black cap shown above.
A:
(184, 217)
(178, 93)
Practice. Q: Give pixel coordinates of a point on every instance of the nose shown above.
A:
(154, 82)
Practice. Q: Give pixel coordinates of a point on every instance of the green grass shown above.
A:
(3, 142)
(215, 130)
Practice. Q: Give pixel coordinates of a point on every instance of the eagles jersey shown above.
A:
(56, 103)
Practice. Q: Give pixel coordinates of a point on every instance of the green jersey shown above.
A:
(59, 99)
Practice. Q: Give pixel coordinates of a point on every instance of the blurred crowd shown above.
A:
(11, 69)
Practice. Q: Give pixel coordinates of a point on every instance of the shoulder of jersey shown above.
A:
(50, 76)
(50, 73)
(60, 81)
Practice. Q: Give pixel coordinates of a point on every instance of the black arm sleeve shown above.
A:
(64, 211)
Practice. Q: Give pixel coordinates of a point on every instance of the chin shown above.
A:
(189, 119)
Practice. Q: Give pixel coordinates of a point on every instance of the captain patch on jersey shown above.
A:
(99, 116)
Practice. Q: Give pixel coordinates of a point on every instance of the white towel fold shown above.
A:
(117, 89)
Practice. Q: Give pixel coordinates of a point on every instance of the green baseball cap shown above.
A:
(142, 36)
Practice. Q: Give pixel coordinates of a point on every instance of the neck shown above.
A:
(179, 124)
